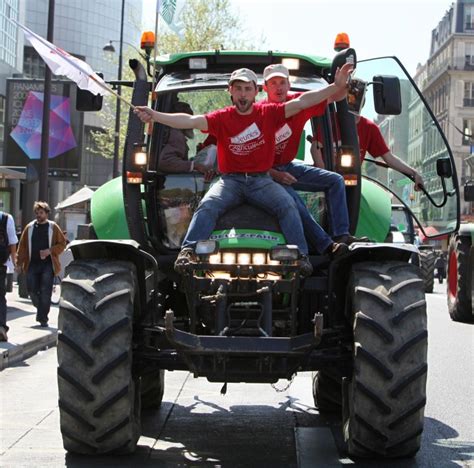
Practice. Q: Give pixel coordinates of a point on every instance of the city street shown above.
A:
(252, 425)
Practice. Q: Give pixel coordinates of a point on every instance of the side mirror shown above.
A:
(469, 192)
(344, 56)
(88, 102)
(387, 96)
(443, 168)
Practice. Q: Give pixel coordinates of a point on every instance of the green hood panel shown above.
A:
(247, 239)
(375, 212)
(108, 211)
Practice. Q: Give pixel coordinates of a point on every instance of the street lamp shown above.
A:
(110, 48)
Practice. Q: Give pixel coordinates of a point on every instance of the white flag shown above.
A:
(62, 63)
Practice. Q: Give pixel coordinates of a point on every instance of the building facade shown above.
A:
(82, 28)
(447, 82)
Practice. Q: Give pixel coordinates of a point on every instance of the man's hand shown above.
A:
(144, 113)
(418, 181)
(282, 177)
(44, 253)
(342, 75)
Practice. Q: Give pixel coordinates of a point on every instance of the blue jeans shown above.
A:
(314, 179)
(39, 279)
(232, 190)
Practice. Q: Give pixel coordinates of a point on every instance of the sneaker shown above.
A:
(185, 257)
(3, 334)
(305, 266)
(337, 249)
(43, 324)
(349, 239)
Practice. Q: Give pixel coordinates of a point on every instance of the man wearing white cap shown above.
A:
(295, 175)
(245, 152)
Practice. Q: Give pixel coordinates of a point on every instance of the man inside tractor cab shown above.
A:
(371, 139)
(295, 175)
(245, 150)
(174, 154)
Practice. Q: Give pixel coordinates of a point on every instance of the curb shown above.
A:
(20, 352)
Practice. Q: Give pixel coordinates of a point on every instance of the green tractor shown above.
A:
(242, 313)
(460, 284)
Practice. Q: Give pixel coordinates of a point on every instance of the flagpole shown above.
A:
(155, 47)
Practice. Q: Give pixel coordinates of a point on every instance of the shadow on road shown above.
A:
(206, 434)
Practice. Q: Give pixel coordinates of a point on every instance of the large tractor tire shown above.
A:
(327, 390)
(427, 266)
(152, 386)
(460, 280)
(99, 404)
(385, 400)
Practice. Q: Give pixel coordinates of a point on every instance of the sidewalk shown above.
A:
(25, 337)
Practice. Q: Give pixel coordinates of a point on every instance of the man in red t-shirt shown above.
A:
(372, 141)
(295, 175)
(245, 152)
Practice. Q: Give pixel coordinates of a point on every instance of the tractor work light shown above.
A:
(285, 253)
(140, 158)
(347, 160)
(207, 247)
(197, 63)
(228, 258)
(291, 63)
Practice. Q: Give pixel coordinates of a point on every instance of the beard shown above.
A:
(243, 105)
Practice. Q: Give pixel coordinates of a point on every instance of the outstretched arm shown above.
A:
(396, 163)
(181, 121)
(337, 90)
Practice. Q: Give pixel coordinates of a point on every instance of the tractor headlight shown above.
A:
(207, 247)
(243, 258)
(228, 258)
(284, 253)
(259, 259)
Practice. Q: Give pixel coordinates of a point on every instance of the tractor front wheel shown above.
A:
(385, 400)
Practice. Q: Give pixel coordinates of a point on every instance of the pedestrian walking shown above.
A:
(41, 243)
(8, 241)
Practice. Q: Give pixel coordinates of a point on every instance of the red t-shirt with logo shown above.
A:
(288, 135)
(371, 139)
(246, 143)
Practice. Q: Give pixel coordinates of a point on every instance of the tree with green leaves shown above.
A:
(206, 25)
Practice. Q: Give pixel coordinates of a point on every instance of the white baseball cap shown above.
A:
(243, 74)
(276, 69)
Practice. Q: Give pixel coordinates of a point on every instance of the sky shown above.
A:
(376, 27)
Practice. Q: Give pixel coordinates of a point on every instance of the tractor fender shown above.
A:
(386, 251)
(128, 250)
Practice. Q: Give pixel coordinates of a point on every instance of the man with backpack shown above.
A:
(41, 243)
(8, 241)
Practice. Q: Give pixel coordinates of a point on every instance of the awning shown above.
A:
(13, 172)
(81, 196)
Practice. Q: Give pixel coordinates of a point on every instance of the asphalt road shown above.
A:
(252, 425)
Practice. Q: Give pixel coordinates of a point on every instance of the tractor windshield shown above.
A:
(417, 139)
